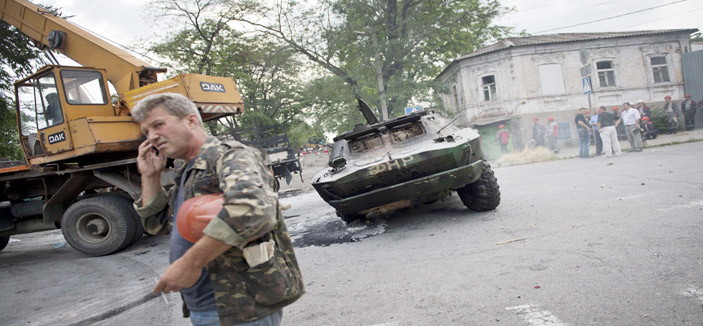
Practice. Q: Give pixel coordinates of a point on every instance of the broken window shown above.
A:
(606, 73)
(660, 69)
(489, 88)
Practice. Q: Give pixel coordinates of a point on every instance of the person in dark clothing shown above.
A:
(53, 110)
(582, 129)
(620, 128)
(649, 129)
(689, 107)
(596, 134)
(672, 114)
(606, 126)
(644, 109)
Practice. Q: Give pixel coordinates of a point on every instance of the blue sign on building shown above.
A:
(586, 81)
(413, 109)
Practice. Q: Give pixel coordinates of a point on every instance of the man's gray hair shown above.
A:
(175, 104)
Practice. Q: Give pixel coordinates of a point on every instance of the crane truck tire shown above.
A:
(99, 225)
(138, 226)
(3, 242)
(483, 194)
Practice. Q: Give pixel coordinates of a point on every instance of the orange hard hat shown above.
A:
(501, 126)
(195, 214)
(550, 118)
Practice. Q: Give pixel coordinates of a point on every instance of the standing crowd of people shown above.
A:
(546, 136)
(605, 129)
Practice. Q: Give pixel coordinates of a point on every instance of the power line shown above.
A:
(609, 18)
(120, 45)
(667, 17)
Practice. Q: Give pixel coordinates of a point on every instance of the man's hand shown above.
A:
(177, 276)
(185, 271)
(150, 164)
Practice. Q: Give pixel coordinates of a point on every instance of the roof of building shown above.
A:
(513, 42)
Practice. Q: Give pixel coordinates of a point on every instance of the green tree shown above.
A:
(18, 58)
(266, 71)
(411, 41)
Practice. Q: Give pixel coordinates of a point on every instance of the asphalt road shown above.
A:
(574, 242)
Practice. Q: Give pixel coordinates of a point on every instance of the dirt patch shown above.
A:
(529, 155)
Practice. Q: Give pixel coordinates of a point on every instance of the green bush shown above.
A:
(658, 117)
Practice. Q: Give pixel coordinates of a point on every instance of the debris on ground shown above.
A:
(510, 241)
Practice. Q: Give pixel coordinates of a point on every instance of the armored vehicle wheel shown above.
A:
(482, 195)
(4, 241)
(348, 218)
(99, 226)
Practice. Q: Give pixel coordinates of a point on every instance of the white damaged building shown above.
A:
(514, 80)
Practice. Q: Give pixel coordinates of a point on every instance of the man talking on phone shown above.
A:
(218, 284)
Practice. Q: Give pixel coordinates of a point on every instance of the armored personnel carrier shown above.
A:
(403, 162)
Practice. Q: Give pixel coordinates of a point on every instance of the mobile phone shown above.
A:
(156, 151)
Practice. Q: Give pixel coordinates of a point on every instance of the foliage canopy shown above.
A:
(17, 59)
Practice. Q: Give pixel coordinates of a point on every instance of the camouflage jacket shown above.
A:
(250, 212)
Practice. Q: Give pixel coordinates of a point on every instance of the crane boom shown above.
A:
(50, 31)
(80, 141)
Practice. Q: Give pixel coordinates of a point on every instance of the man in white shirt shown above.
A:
(631, 119)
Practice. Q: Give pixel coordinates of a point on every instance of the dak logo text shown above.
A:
(57, 137)
(212, 87)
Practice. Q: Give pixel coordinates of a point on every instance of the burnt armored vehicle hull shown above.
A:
(403, 162)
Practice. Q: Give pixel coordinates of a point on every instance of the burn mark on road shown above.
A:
(334, 231)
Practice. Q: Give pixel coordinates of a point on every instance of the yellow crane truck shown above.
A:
(79, 142)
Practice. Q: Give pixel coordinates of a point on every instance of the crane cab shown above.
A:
(66, 112)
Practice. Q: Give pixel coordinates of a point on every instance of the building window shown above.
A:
(606, 73)
(489, 88)
(551, 79)
(564, 130)
(660, 69)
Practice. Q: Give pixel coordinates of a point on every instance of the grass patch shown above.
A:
(527, 156)
(690, 140)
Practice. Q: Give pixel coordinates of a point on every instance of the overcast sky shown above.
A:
(127, 22)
